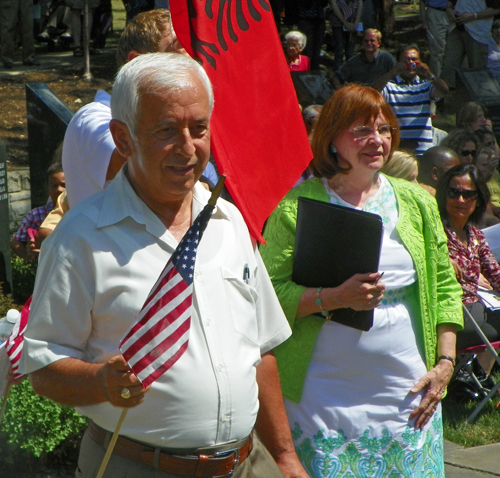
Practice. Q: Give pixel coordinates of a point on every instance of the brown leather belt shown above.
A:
(218, 463)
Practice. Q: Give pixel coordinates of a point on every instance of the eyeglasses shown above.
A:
(362, 132)
(467, 194)
(466, 152)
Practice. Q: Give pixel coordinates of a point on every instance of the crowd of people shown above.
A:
(59, 22)
(270, 384)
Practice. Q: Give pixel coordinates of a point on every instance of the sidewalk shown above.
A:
(58, 59)
(476, 462)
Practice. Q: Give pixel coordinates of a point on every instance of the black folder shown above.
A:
(332, 243)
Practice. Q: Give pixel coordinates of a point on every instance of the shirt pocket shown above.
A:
(242, 300)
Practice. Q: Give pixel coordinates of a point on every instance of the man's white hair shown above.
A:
(153, 73)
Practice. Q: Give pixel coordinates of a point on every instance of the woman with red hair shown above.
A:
(357, 400)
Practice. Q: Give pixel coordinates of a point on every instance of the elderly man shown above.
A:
(97, 269)
(410, 93)
(433, 164)
(369, 65)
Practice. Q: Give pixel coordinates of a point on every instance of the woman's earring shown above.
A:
(333, 149)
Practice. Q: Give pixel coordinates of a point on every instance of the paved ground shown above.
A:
(477, 462)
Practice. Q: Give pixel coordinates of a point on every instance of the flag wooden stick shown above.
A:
(4, 403)
(217, 190)
(111, 445)
(87, 76)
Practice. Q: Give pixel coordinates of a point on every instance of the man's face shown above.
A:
(409, 56)
(170, 43)
(371, 43)
(172, 145)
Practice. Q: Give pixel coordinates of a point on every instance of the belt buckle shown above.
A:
(221, 454)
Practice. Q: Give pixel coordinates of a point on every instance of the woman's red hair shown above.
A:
(347, 105)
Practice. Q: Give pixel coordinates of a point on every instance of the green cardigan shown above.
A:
(421, 230)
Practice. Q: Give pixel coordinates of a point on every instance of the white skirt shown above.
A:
(353, 417)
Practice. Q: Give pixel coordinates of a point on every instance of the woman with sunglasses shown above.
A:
(464, 143)
(462, 197)
(355, 397)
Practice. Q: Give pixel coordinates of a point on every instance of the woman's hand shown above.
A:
(435, 382)
(483, 282)
(458, 270)
(360, 292)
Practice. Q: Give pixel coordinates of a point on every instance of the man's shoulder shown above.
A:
(84, 215)
(356, 60)
(399, 84)
(98, 110)
(385, 56)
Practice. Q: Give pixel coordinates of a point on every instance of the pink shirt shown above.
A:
(303, 65)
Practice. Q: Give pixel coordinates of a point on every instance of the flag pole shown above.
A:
(4, 403)
(111, 445)
(87, 76)
(217, 190)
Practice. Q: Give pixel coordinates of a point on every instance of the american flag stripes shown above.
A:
(15, 342)
(161, 334)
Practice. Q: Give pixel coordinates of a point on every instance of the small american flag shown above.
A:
(161, 334)
(15, 342)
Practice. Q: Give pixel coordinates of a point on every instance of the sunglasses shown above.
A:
(361, 132)
(467, 194)
(466, 152)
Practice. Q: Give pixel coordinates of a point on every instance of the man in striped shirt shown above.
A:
(409, 88)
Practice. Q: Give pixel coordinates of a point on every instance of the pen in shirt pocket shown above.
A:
(246, 273)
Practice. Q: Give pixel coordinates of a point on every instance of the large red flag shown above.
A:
(258, 136)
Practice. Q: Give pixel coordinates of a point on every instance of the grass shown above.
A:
(119, 15)
(402, 8)
(484, 431)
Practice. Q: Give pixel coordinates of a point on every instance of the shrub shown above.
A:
(36, 426)
(6, 303)
(23, 278)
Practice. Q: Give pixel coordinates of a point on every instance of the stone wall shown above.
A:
(19, 196)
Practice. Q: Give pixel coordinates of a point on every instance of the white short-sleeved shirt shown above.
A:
(95, 273)
(87, 149)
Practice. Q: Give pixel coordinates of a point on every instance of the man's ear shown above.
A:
(435, 174)
(132, 54)
(122, 138)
